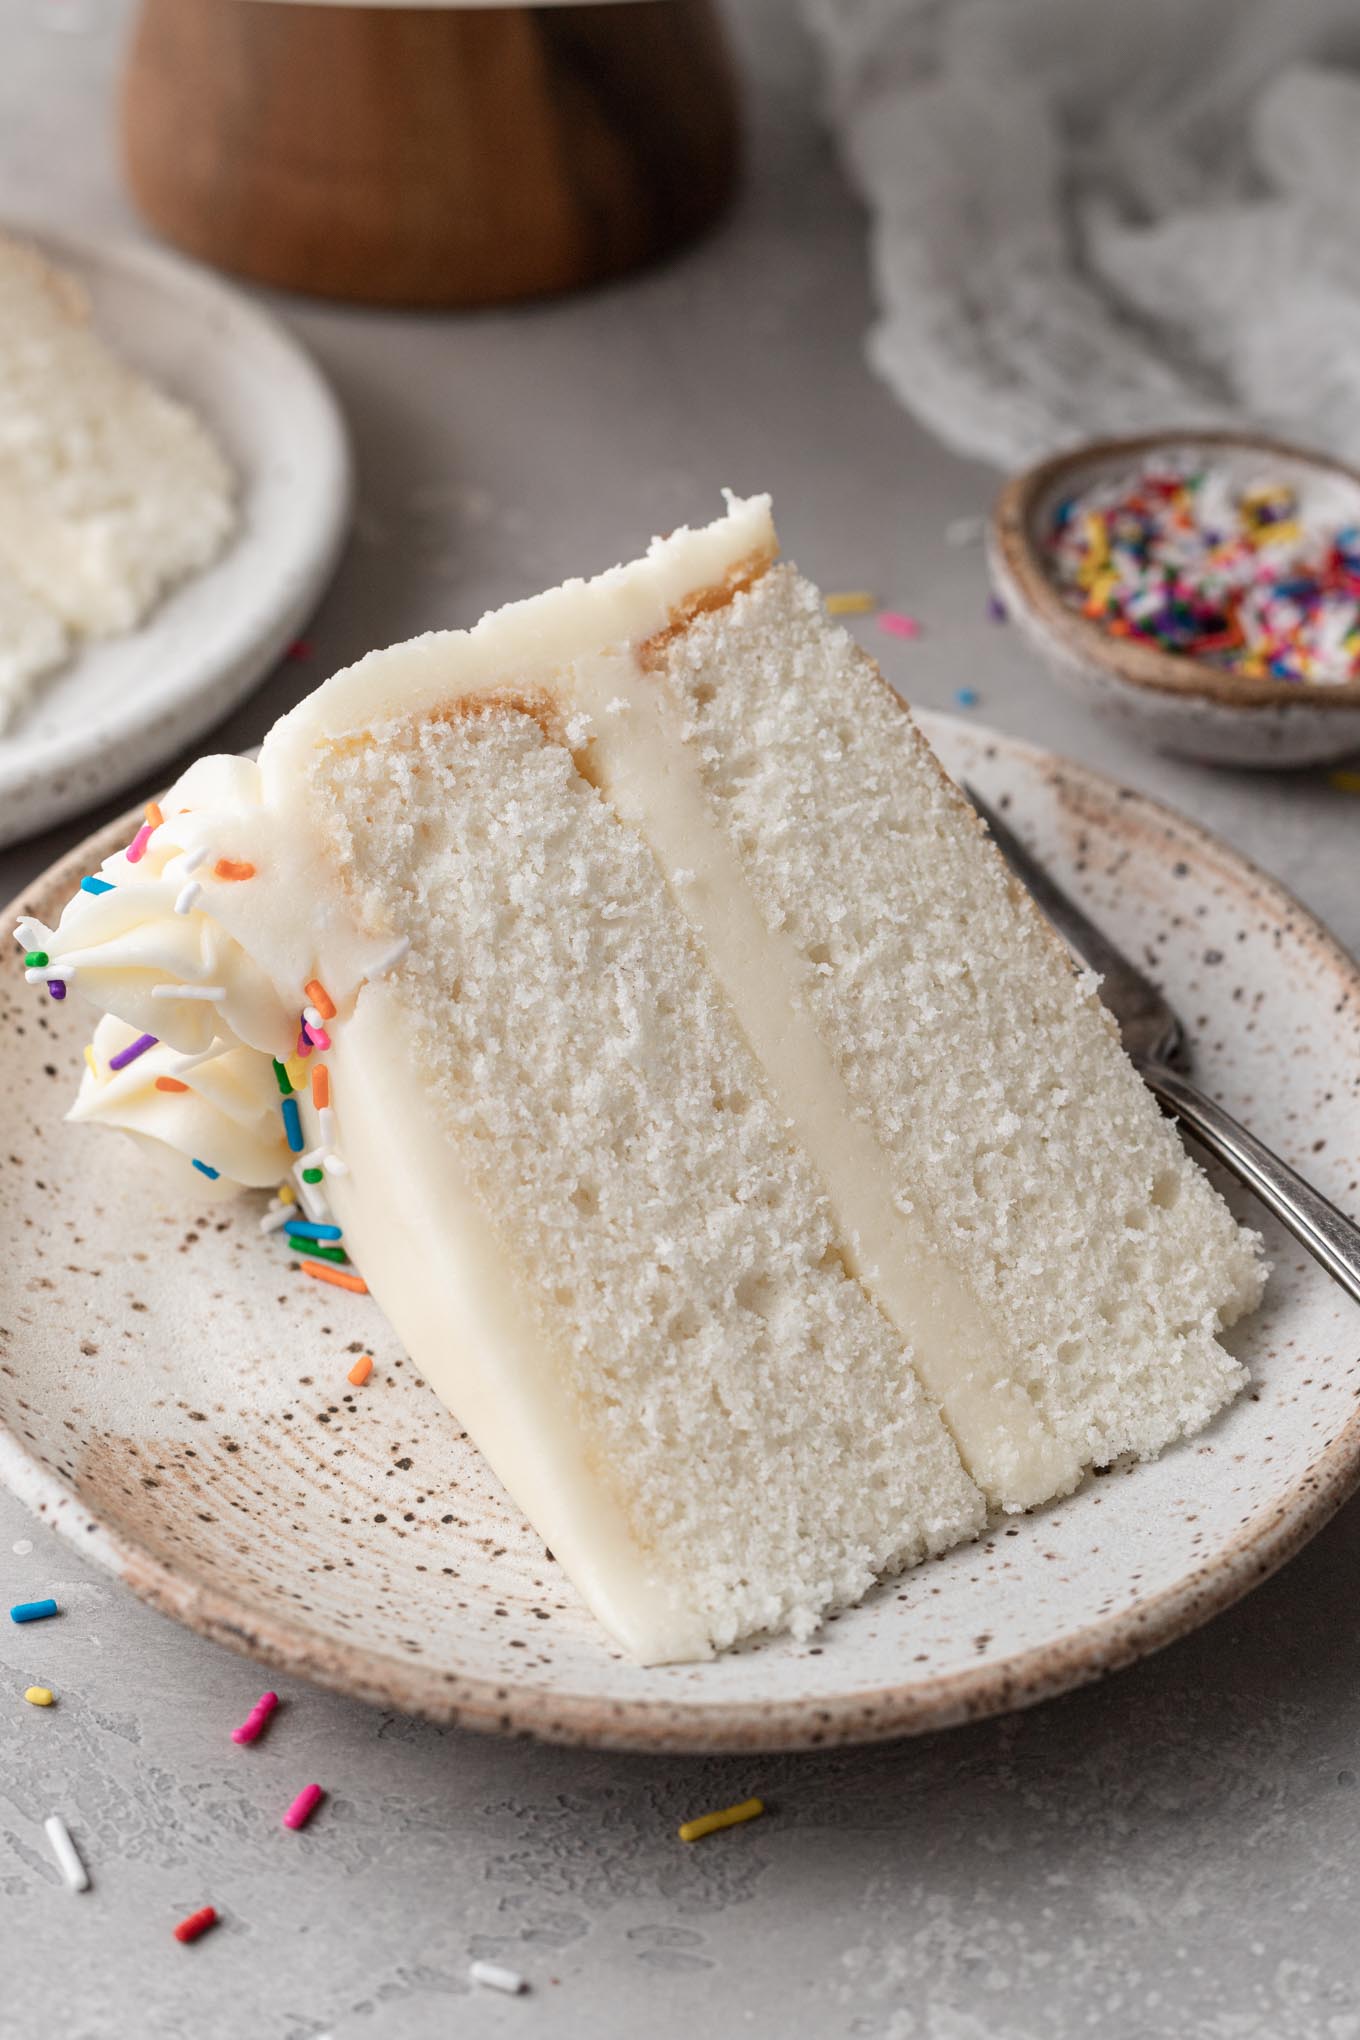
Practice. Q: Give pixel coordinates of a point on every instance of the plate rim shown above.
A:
(220, 683)
(1275, 1531)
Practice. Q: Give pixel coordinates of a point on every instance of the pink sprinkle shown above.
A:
(304, 1042)
(136, 849)
(303, 1807)
(316, 1035)
(897, 624)
(254, 1722)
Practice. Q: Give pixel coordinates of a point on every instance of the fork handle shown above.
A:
(1328, 1234)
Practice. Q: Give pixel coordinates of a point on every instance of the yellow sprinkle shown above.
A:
(851, 602)
(1289, 533)
(297, 1073)
(728, 1816)
(90, 1061)
(39, 1696)
(286, 1194)
(1345, 782)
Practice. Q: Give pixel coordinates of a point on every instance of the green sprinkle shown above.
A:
(311, 1175)
(36, 959)
(316, 1253)
(280, 1075)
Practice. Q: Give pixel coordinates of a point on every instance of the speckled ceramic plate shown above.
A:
(120, 705)
(175, 1400)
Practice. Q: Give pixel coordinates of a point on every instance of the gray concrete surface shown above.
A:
(1169, 1857)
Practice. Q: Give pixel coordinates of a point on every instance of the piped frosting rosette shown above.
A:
(205, 944)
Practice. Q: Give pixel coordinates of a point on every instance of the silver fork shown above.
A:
(1155, 1043)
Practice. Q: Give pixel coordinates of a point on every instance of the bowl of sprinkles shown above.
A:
(1203, 589)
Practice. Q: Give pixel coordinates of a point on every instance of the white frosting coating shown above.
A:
(226, 1116)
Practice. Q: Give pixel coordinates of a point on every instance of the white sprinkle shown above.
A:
(64, 971)
(312, 1159)
(392, 958)
(31, 934)
(22, 1547)
(333, 1165)
(189, 860)
(77, 1877)
(496, 1978)
(326, 1123)
(187, 898)
(277, 1215)
(188, 991)
(963, 531)
(313, 1018)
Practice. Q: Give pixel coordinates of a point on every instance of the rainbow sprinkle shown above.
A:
(282, 1079)
(132, 1051)
(727, 1816)
(136, 849)
(303, 1807)
(1179, 554)
(95, 885)
(211, 1173)
(292, 1124)
(253, 1725)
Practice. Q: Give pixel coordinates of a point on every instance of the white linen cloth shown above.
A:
(1093, 218)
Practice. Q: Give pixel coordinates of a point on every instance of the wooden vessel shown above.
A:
(429, 155)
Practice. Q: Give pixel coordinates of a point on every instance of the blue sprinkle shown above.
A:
(95, 885)
(33, 1611)
(213, 1173)
(966, 697)
(292, 1125)
(306, 1231)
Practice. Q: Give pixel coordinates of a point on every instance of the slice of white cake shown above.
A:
(730, 1143)
(33, 641)
(110, 491)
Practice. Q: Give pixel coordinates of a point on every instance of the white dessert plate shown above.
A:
(173, 1397)
(120, 706)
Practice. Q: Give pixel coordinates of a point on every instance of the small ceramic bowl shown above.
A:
(1173, 701)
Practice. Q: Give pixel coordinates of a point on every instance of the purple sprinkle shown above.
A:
(996, 609)
(132, 1051)
(56, 988)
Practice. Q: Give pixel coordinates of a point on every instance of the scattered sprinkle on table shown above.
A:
(726, 1817)
(1345, 782)
(996, 609)
(898, 624)
(33, 1611)
(1185, 554)
(495, 1978)
(360, 1371)
(253, 1725)
(40, 1696)
(196, 1924)
(966, 697)
(74, 1873)
(303, 1807)
(850, 602)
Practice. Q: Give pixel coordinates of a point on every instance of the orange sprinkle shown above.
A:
(153, 813)
(321, 998)
(228, 867)
(321, 1086)
(360, 1371)
(170, 1084)
(322, 1271)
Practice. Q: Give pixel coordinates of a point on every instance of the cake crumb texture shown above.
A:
(751, 1409)
(984, 1062)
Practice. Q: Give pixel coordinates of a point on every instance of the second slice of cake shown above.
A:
(730, 1144)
